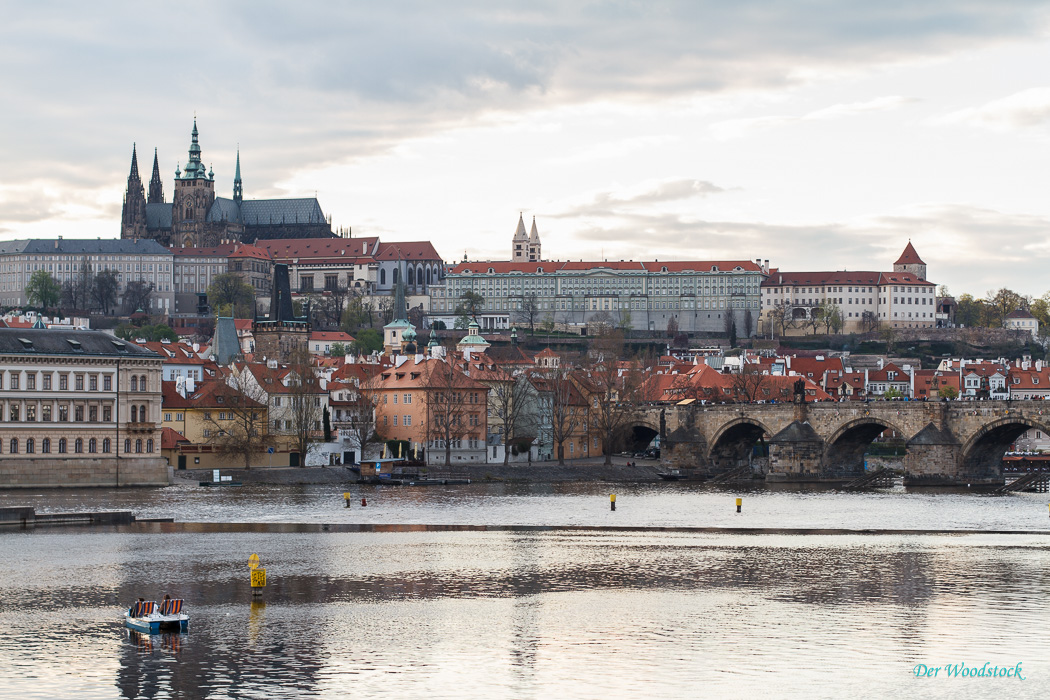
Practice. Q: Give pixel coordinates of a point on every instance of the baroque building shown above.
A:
(196, 217)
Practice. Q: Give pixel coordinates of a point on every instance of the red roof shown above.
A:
(909, 257)
(287, 248)
(548, 266)
(407, 250)
(226, 250)
(331, 337)
(170, 439)
(796, 279)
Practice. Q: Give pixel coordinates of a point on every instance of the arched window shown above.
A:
(397, 273)
(62, 446)
(92, 445)
(134, 414)
(134, 383)
(382, 278)
(45, 446)
(142, 414)
(127, 447)
(14, 446)
(30, 446)
(142, 383)
(78, 446)
(149, 445)
(419, 275)
(429, 278)
(411, 275)
(105, 445)
(138, 445)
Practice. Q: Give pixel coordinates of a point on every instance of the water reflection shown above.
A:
(516, 614)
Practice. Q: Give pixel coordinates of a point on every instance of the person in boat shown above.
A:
(136, 609)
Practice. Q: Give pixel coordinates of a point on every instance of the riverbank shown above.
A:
(540, 472)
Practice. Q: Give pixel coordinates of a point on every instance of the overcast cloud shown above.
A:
(817, 134)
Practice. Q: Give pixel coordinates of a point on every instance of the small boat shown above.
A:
(673, 475)
(146, 616)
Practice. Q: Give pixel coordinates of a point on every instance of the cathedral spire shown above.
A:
(134, 165)
(238, 189)
(156, 186)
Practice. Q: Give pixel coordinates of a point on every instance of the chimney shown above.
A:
(881, 363)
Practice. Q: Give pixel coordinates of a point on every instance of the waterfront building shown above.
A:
(78, 408)
(196, 217)
(866, 301)
(201, 415)
(70, 260)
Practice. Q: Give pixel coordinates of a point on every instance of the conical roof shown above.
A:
(909, 257)
(534, 235)
(520, 231)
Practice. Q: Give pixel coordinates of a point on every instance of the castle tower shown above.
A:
(909, 261)
(133, 215)
(282, 333)
(193, 197)
(156, 187)
(534, 243)
(520, 245)
(238, 190)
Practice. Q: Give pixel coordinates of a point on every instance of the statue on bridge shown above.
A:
(800, 391)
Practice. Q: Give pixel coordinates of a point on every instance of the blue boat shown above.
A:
(147, 617)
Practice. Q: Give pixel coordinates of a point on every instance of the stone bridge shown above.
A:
(948, 442)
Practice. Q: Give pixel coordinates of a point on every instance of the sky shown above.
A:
(821, 135)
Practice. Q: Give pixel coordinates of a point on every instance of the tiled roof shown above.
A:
(332, 336)
(170, 439)
(266, 212)
(283, 249)
(844, 277)
(62, 342)
(407, 250)
(223, 209)
(549, 267)
(102, 246)
(1019, 313)
(909, 257)
(158, 215)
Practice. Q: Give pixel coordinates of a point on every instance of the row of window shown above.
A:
(45, 381)
(15, 445)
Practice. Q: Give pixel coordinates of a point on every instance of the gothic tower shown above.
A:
(133, 215)
(156, 187)
(520, 244)
(534, 243)
(192, 199)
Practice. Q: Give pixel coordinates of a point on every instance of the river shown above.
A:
(596, 613)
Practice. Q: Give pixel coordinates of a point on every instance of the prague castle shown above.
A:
(197, 218)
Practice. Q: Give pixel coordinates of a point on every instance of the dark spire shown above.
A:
(133, 215)
(238, 190)
(156, 187)
(399, 292)
(134, 165)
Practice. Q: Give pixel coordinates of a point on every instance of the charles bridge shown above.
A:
(948, 442)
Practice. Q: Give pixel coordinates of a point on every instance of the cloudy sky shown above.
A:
(818, 134)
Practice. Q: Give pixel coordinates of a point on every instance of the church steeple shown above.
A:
(133, 215)
(519, 249)
(156, 187)
(238, 190)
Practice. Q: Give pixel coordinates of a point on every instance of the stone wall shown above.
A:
(25, 472)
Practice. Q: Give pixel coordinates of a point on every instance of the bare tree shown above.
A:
(137, 296)
(612, 392)
(782, 316)
(509, 398)
(239, 425)
(104, 291)
(750, 384)
(76, 292)
(529, 312)
(359, 421)
(454, 406)
(562, 407)
(870, 321)
(305, 403)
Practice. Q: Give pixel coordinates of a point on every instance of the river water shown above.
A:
(564, 612)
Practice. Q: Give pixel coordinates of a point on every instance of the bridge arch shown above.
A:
(847, 445)
(732, 443)
(639, 433)
(983, 452)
